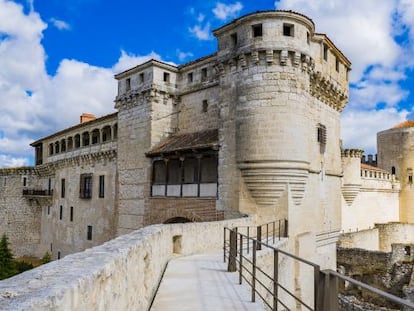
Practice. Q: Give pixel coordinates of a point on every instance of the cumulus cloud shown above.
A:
(35, 104)
(201, 32)
(183, 56)
(59, 24)
(224, 11)
(367, 34)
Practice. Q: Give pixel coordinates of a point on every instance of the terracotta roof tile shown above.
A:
(372, 168)
(188, 141)
(405, 124)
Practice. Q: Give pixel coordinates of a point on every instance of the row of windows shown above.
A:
(71, 216)
(106, 134)
(85, 186)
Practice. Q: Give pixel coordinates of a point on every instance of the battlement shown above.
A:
(351, 153)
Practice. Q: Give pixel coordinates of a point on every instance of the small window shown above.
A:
(288, 30)
(325, 52)
(58, 257)
(48, 210)
(61, 212)
(205, 105)
(50, 149)
(62, 188)
(407, 250)
(410, 175)
(203, 74)
(257, 30)
(166, 77)
(190, 77)
(85, 189)
(128, 84)
(337, 64)
(77, 141)
(233, 37)
(141, 77)
(24, 181)
(89, 233)
(71, 213)
(308, 37)
(102, 186)
(393, 170)
(51, 247)
(321, 134)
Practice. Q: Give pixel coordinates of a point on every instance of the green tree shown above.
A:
(46, 258)
(7, 263)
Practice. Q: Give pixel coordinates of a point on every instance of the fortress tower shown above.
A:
(395, 154)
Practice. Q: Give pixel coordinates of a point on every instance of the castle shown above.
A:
(252, 129)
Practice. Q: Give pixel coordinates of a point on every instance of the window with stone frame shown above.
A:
(85, 187)
(257, 30)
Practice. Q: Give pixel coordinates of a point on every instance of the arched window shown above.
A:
(50, 149)
(95, 136)
(63, 145)
(115, 131)
(77, 141)
(70, 143)
(85, 139)
(57, 147)
(106, 133)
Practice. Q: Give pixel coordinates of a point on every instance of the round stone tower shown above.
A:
(283, 98)
(396, 155)
(351, 182)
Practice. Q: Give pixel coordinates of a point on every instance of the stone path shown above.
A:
(201, 282)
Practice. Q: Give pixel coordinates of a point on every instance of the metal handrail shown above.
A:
(325, 282)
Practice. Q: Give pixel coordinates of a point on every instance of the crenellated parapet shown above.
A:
(24, 170)
(352, 153)
(328, 91)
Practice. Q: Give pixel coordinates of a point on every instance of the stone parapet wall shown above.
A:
(366, 239)
(122, 274)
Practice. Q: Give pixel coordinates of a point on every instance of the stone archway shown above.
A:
(177, 220)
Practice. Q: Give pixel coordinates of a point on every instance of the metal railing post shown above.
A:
(254, 271)
(286, 229)
(259, 237)
(233, 252)
(241, 260)
(316, 288)
(248, 238)
(275, 277)
(274, 223)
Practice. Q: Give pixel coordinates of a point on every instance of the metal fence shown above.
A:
(241, 247)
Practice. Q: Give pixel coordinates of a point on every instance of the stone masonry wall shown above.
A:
(20, 217)
(121, 274)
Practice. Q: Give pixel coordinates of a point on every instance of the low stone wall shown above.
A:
(366, 239)
(122, 274)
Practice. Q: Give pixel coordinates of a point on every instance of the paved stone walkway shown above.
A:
(201, 283)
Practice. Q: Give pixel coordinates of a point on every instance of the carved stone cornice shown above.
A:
(352, 153)
(328, 91)
(49, 169)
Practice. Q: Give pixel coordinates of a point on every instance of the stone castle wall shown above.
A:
(20, 217)
(121, 274)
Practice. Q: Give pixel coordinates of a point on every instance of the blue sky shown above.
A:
(58, 57)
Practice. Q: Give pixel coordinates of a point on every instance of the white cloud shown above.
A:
(59, 24)
(225, 11)
(200, 32)
(359, 127)
(182, 56)
(129, 60)
(7, 161)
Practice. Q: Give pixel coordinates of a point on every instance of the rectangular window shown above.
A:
(58, 257)
(48, 210)
(141, 77)
(257, 30)
(128, 84)
(24, 181)
(166, 77)
(337, 64)
(325, 52)
(102, 186)
(60, 212)
(190, 77)
(203, 74)
(209, 169)
(71, 213)
(89, 233)
(288, 30)
(85, 188)
(174, 172)
(233, 37)
(51, 247)
(62, 188)
(205, 105)
(321, 134)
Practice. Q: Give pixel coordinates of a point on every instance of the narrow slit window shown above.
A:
(337, 64)
(102, 186)
(128, 84)
(205, 105)
(89, 233)
(325, 52)
(71, 213)
(61, 212)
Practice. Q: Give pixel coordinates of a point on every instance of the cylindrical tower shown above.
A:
(395, 154)
(351, 182)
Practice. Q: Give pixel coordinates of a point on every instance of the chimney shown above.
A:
(86, 117)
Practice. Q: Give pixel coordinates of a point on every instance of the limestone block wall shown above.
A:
(121, 274)
(395, 233)
(365, 239)
(20, 217)
(64, 227)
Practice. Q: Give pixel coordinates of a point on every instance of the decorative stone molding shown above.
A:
(328, 91)
(268, 180)
(352, 153)
(350, 192)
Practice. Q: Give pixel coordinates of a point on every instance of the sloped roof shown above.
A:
(405, 124)
(372, 168)
(198, 140)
